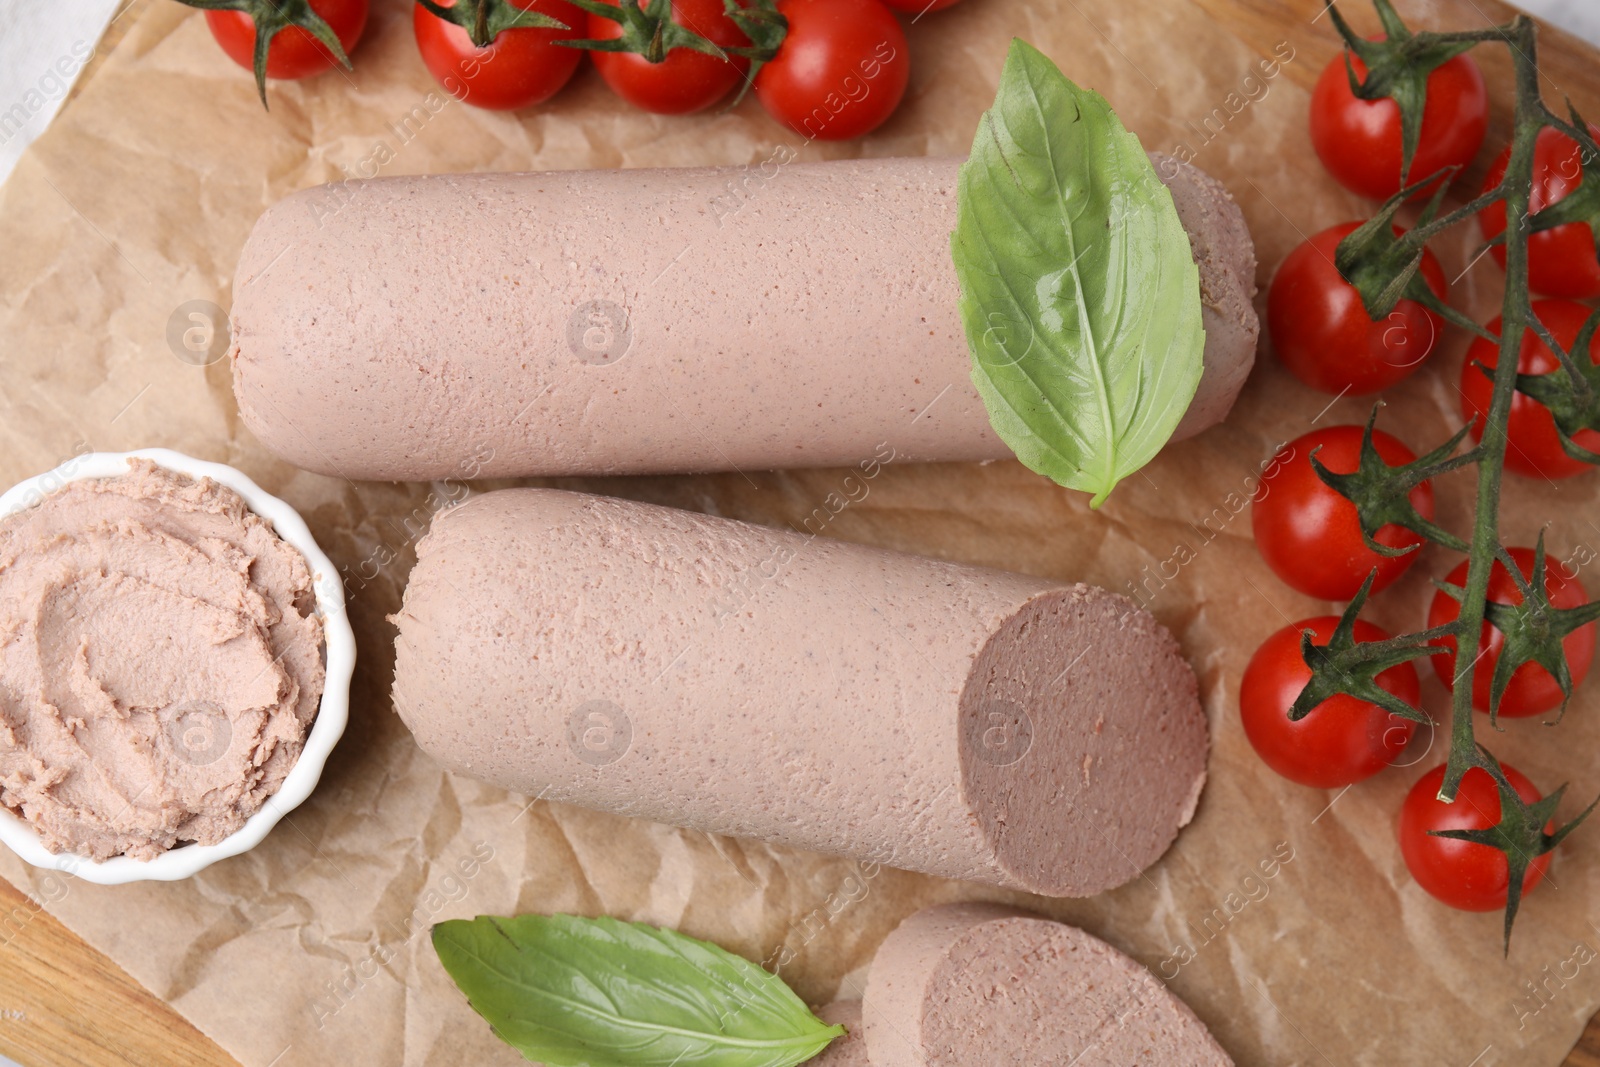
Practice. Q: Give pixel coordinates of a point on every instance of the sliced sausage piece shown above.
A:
(625, 322)
(964, 984)
(849, 1050)
(821, 695)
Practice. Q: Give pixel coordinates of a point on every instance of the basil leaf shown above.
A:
(1079, 291)
(573, 992)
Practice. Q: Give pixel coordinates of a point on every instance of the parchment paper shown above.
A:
(312, 949)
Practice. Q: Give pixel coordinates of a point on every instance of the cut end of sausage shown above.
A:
(962, 984)
(849, 1050)
(1226, 257)
(1083, 742)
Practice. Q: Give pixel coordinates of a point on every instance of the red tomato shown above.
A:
(1532, 690)
(293, 53)
(1322, 333)
(840, 72)
(920, 7)
(685, 80)
(1561, 260)
(1359, 140)
(1533, 447)
(1342, 740)
(1310, 535)
(521, 67)
(1463, 874)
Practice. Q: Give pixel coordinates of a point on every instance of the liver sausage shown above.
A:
(820, 695)
(849, 1050)
(625, 322)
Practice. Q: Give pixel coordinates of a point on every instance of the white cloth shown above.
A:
(43, 48)
(1581, 18)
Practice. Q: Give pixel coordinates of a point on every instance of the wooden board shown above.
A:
(63, 1003)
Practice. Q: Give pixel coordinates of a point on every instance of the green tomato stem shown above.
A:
(1521, 37)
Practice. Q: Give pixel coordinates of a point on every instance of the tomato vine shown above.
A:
(1384, 268)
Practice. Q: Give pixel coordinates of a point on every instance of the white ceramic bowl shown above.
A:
(334, 712)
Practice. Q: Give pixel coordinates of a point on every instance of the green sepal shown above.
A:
(766, 28)
(1571, 392)
(271, 17)
(647, 31)
(1397, 68)
(1520, 833)
(1385, 268)
(484, 20)
(1345, 665)
(1583, 203)
(1533, 630)
(763, 23)
(1381, 493)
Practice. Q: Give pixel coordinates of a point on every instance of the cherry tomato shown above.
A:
(920, 7)
(685, 80)
(1322, 333)
(1532, 690)
(840, 72)
(1359, 140)
(1463, 874)
(1561, 260)
(1342, 740)
(293, 53)
(1533, 447)
(1310, 535)
(521, 67)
